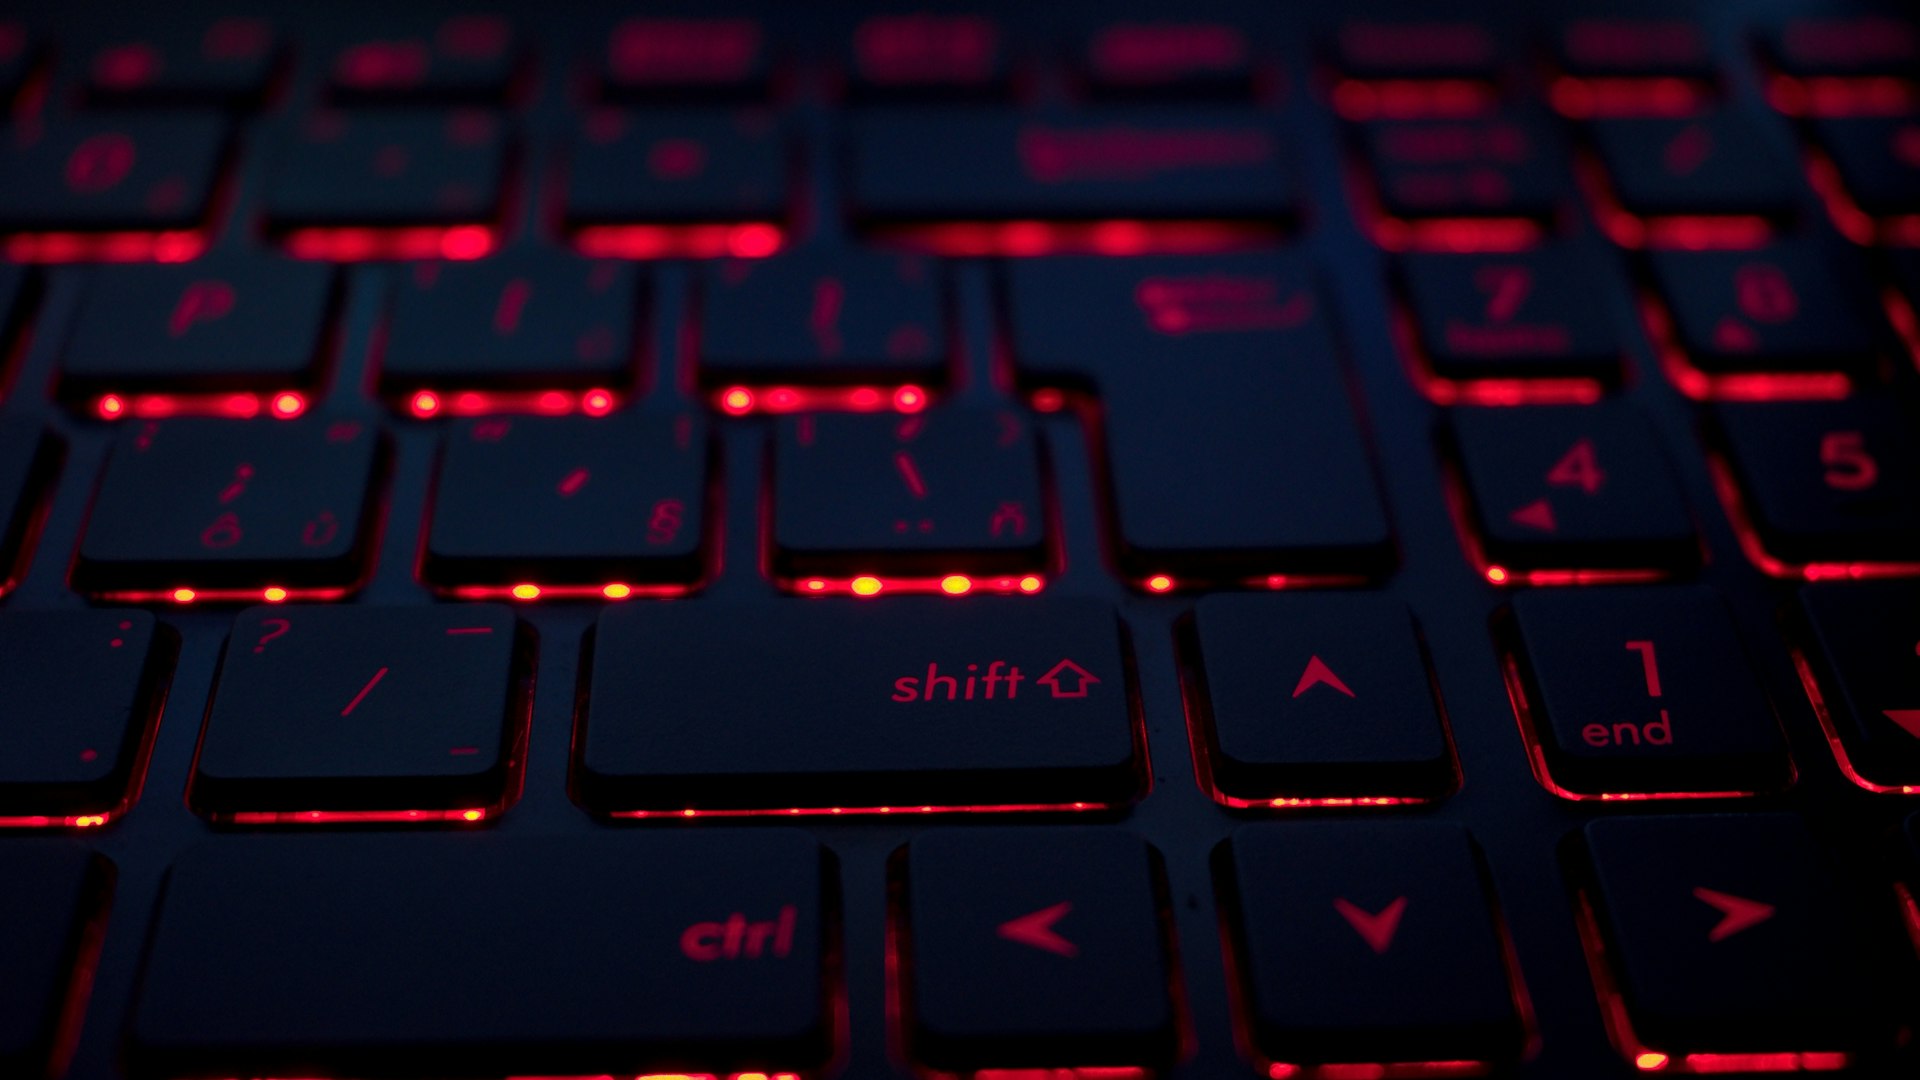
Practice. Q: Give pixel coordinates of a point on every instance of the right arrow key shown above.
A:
(1863, 675)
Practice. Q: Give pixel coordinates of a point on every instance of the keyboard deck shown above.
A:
(1015, 542)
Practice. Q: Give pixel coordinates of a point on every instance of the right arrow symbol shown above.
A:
(1376, 929)
(1908, 719)
(1036, 930)
(1737, 913)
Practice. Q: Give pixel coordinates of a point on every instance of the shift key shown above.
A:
(829, 706)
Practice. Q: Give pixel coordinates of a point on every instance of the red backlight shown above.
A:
(361, 244)
(173, 246)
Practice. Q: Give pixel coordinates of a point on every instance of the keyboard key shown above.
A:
(387, 169)
(1167, 59)
(1728, 938)
(546, 322)
(670, 58)
(675, 167)
(921, 55)
(28, 459)
(984, 164)
(913, 702)
(1035, 948)
(18, 58)
(50, 930)
(1866, 648)
(1642, 690)
(222, 506)
(83, 690)
(932, 493)
(465, 58)
(1522, 315)
(1826, 481)
(1505, 165)
(1722, 162)
(1878, 158)
(1843, 45)
(1573, 487)
(18, 292)
(570, 501)
(1415, 50)
(225, 63)
(1802, 303)
(496, 955)
(1226, 464)
(1317, 698)
(231, 322)
(336, 713)
(1361, 944)
(1615, 47)
(807, 319)
(118, 172)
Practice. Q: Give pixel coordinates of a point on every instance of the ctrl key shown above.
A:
(499, 956)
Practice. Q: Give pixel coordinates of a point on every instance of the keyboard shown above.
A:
(975, 542)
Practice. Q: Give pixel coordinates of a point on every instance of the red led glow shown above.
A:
(1905, 321)
(867, 585)
(528, 591)
(1021, 239)
(1686, 232)
(356, 243)
(1166, 583)
(1733, 386)
(678, 1076)
(1841, 756)
(1585, 98)
(272, 594)
(1728, 488)
(863, 811)
(1460, 509)
(1557, 390)
(1909, 911)
(745, 240)
(170, 246)
(43, 821)
(142, 755)
(1394, 1070)
(426, 404)
(353, 817)
(1853, 222)
(238, 405)
(1412, 99)
(1464, 235)
(744, 401)
(1841, 95)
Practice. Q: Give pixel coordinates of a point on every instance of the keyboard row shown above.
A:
(343, 714)
(1716, 944)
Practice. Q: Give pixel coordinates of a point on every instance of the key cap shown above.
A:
(952, 489)
(1827, 480)
(676, 167)
(1615, 47)
(914, 702)
(1415, 50)
(543, 322)
(723, 972)
(570, 501)
(1803, 303)
(224, 63)
(231, 322)
(83, 689)
(985, 164)
(1231, 443)
(678, 58)
(322, 711)
(18, 58)
(112, 172)
(1308, 698)
(391, 168)
(1843, 45)
(28, 459)
(808, 319)
(49, 927)
(920, 55)
(1163, 59)
(1866, 653)
(1878, 158)
(196, 505)
(1642, 690)
(471, 58)
(1521, 315)
(1035, 948)
(1366, 944)
(1583, 486)
(1505, 165)
(1722, 162)
(1728, 937)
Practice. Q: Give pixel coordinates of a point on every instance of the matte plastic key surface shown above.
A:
(377, 168)
(28, 456)
(1414, 49)
(1803, 303)
(542, 956)
(1606, 46)
(676, 166)
(1878, 158)
(918, 55)
(226, 62)
(19, 55)
(806, 318)
(677, 57)
(1537, 314)
(124, 171)
(471, 58)
(52, 895)
(1169, 58)
(1865, 658)
(1845, 44)
(1507, 164)
(1722, 162)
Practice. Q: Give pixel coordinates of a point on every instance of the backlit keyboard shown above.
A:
(980, 541)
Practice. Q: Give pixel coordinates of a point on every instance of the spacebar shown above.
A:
(436, 956)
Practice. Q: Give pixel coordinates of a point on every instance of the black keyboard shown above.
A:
(997, 542)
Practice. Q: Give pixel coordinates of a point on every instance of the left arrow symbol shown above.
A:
(1036, 930)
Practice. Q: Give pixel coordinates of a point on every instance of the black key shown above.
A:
(1572, 487)
(396, 168)
(18, 58)
(676, 168)
(1844, 45)
(119, 172)
(1866, 650)
(723, 972)
(1803, 303)
(18, 291)
(807, 319)
(1827, 481)
(985, 164)
(50, 930)
(1878, 158)
(1225, 463)
(1722, 162)
(1505, 165)
(235, 322)
(470, 58)
(227, 62)
(1168, 59)
(83, 689)
(570, 500)
(1363, 944)
(921, 55)
(1415, 50)
(1729, 935)
(1309, 698)
(1035, 948)
(1642, 690)
(915, 702)
(523, 322)
(231, 505)
(332, 710)
(649, 57)
(947, 490)
(28, 459)
(1634, 48)
(1523, 315)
